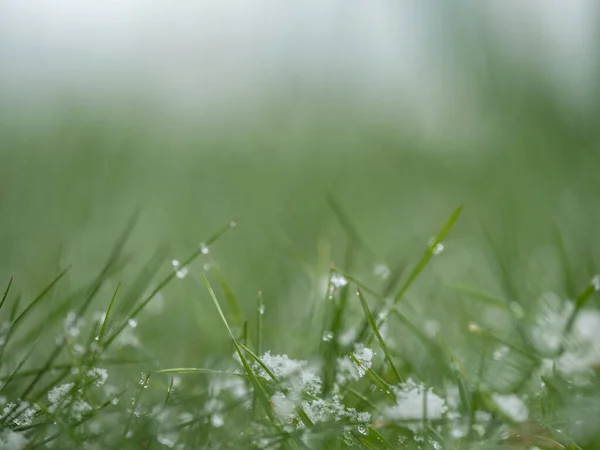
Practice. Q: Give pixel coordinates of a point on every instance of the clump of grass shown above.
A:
(380, 378)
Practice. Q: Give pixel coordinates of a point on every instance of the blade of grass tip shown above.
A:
(375, 378)
(258, 388)
(439, 238)
(260, 312)
(169, 390)
(232, 301)
(105, 322)
(168, 279)
(371, 320)
(19, 319)
(344, 220)
(6, 291)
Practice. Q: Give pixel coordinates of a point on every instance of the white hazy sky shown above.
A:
(192, 54)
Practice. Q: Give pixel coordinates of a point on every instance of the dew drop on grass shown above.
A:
(328, 336)
(182, 273)
(175, 263)
(204, 249)
(132, 323)
(261, 309)
(362, 429)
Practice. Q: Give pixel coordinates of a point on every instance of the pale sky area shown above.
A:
(192, 56)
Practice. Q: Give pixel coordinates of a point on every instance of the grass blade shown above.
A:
(259, 390)
(375, 378)
(105, 322)
(199, 370)
(375, 329)
(429, 253)
(6, 292)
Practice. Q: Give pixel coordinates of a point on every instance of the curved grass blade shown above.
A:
(260, 312)
(375, 329)
(259, 390)
(105, 322)
(439, 238)
(377, 380)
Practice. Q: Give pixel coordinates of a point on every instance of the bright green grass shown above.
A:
(340, 226)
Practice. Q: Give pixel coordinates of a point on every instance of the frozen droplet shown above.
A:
(115, 401)
(144, 380)
(261, 309)
(204, 249)
(182, 273)
(132, 323)
(382, 271)
(596, 283)
(338, 280)
(175, 263)
(233, 223)
(328, 336)
(362, 429)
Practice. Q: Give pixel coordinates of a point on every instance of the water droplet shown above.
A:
(362, 429)
(175, 263)
(261, 309)
(204, 249)
(328, 336)
(182, 273)
(115, 401)
(132, 323)
(233, 223)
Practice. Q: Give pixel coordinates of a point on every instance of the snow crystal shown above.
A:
(364, 357)
(338, 280)
(512, 406)
(11, 440)
(411, 401)
(284, 407)
(59, 396)
(99, 376)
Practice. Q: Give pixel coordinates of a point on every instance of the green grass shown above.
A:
(329, 317)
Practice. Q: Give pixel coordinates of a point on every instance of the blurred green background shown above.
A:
(525, 168)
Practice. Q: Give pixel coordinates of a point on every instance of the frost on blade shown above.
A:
(338, 280)
(415, 402)
(98, 376)
(512, 406)
(364, 357)
(297, 374)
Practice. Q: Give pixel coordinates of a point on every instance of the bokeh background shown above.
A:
(199, 112)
